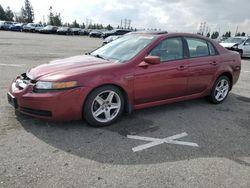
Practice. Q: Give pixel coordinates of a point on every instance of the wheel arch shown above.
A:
(229, 75)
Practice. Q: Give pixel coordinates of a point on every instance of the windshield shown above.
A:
(124, 48)
(234, 40)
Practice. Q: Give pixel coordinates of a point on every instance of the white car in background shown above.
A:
(239, 44)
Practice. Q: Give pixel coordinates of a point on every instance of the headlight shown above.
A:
(55, 85)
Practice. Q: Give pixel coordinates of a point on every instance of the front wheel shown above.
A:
(103, 106)
(220, 90)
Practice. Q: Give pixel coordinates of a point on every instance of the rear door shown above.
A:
(203, 63)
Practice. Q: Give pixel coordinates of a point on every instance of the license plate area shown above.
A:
(12, 100)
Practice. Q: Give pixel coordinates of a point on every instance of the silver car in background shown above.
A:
(238, 44)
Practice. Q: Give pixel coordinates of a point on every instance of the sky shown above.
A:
(170, 15)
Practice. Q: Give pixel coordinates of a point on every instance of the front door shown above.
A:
(246, 48)
(165, 80)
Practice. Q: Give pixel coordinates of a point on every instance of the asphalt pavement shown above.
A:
(186, 144)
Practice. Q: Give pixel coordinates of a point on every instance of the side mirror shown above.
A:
(152, 60)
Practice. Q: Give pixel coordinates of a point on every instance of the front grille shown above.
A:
(36, 112)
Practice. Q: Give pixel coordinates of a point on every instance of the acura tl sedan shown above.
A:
(135, 71)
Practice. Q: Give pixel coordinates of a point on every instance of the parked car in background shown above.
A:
(83, 32)
(221, 39)
(17, 27)
(49, 29)
(64, 31)
(5, 25)
(30, 27)
(121, 76)
(115, 32)
(110, 39)
(76, 31)
(95, 33)
(38, 29)
(238, 44)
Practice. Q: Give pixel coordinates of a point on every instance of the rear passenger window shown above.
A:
(197, 47)
(169, 49)
(211, 49)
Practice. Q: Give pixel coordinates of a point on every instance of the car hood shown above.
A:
(227, 45)
(64, 68)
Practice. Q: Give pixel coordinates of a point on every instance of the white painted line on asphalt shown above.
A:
(12, 65)
(246, 71)
(158, 141)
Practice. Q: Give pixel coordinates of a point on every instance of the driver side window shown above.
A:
(168, 49)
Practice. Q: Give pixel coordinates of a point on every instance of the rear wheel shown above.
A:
(104, 106)
(220, 90)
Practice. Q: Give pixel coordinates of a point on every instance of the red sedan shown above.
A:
(135, 71)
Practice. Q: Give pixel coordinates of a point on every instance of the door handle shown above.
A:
(214, 63)
(182, 67)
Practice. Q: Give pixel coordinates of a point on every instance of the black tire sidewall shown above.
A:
(87, 114)
(212, 95)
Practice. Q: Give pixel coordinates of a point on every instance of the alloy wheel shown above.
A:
(106, 106)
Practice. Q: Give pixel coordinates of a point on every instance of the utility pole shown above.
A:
(236, 30)
(129, 24)
(125, 24)
(201, 26)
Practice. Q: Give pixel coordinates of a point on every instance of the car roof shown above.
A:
(170, 34)
(149, 32)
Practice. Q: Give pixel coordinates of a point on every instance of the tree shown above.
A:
(208, 34)
(27, 12)
(215, 35)
(2, 13)
(227, 34)
(9, 14)
(55, 20)
(243, 34)
(109, 27)
(21, 18)
(238, 34)
(83, 26)
(75, 24)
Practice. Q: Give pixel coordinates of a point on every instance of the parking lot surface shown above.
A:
(36, 153)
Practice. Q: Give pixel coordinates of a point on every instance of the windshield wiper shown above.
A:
(99, 56)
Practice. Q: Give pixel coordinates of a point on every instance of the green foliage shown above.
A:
(27, 12)
(75, 24)
(227, 34)
(208, 34)
(2, 13)
(55, 20)
(109, 27)
(238, 34)
(243, 34)
(83, 26)
(215, 35)
(9, 14)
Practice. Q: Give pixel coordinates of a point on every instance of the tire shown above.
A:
(220, 90)
(104, 106)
